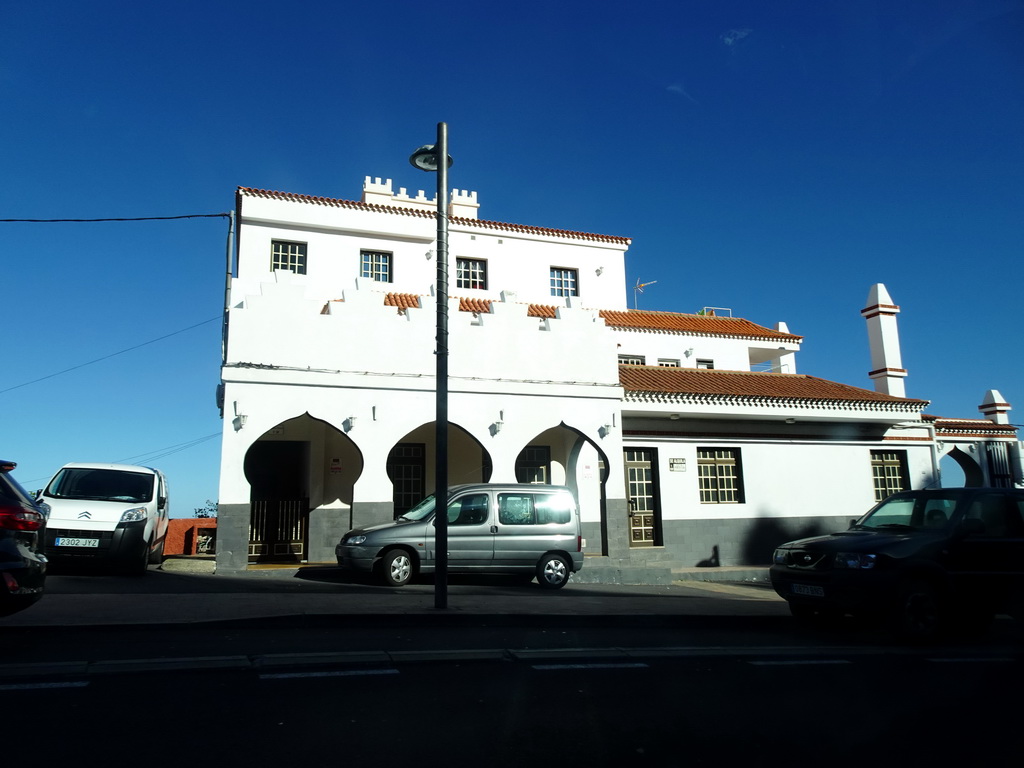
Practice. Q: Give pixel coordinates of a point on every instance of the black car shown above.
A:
(925, 561)
(22, 563)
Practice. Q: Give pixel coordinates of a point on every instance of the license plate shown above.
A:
(808, 590)
(67, 541)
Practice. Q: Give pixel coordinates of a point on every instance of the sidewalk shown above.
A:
(254, 594)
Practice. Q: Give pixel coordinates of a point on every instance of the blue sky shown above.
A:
(774, 157)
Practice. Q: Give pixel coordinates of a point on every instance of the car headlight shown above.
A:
(134, 514)
(355, 540)
(855, 560)
(779, 557)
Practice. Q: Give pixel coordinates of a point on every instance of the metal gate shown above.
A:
(278, 530)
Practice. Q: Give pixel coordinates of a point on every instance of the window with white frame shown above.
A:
(376, 265)
(719, 475)
(632, 360)
(706, 364)
(889, 473)
(288, 256)
(471, 273)
(564, 282)
(667, 363)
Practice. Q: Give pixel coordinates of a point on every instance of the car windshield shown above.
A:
(910, 513)
(421, 511)
(101, 485)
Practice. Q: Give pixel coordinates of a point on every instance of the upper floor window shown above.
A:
(666, 363)
(632, 360)
(564, 282)
(470, 273)
(288, 256)
(889, 472)
(376, 265)
(708, 365)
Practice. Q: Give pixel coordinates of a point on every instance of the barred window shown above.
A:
(564, 282)
(719, 475)
(471, 273)
(288, 256)
(889, 473)
(376, 265)
(534, 464)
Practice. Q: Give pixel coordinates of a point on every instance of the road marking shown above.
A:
(336, 673)
(795, 662)
(37, 686)
(548, 667)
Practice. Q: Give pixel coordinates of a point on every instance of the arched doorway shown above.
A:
(300, 466)
(411, 466)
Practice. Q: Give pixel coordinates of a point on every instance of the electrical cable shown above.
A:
(107, 357)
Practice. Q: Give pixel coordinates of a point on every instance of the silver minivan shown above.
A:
(528, 530)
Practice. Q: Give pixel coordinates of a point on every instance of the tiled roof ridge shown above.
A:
(620, 318)
(659, 382)
(424, 213)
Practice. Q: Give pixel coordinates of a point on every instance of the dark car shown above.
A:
(925, 561)
(22, 563)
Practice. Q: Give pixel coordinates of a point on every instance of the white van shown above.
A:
(112, 512)
(528, 530)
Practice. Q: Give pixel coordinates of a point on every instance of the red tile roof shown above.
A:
(428, 214)
(643, 379)
(968, 427)
(680, 323)
(632, 319)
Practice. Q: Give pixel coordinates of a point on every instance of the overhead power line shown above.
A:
(107, 357)
(139, 218)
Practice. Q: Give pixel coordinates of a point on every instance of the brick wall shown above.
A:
(183, 535)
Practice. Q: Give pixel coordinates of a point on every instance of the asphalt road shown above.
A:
(96, 623)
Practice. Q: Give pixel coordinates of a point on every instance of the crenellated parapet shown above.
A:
(461, 203)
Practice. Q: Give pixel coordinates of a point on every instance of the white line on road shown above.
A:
(548, 667)
(37, 686)
(795, 662)
(336, 673)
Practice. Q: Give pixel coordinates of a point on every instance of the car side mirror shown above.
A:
(161, 502)
(853, 521)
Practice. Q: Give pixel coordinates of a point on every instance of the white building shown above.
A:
(689, 439)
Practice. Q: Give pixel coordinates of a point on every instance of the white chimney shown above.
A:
(884, 339)
(995, 408)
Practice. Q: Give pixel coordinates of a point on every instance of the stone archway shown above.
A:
(411, 463)
(301, 474)
(973, 474)
(564, 455)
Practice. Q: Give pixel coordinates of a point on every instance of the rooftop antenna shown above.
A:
(639, 288)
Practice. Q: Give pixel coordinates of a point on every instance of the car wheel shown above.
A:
(397, 568)
(918, 613)
(553, 571)
(157, 556)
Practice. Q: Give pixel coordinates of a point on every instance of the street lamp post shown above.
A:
(429, 158)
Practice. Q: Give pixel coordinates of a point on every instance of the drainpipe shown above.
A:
(227, 287)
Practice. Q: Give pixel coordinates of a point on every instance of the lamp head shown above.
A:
(425, 158)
